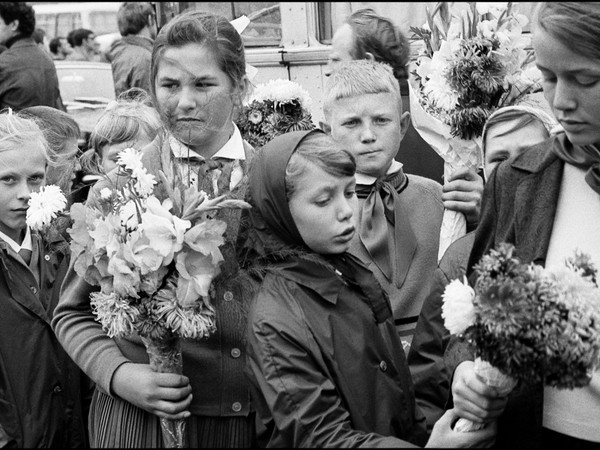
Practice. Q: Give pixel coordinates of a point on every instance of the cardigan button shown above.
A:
(235, 352)
(47, 257)
(236, 407)
(33, 289)
(228, 296)
(383, 366)
(57, 389)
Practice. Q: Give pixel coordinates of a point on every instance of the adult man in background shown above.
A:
(84, 46)
(130, 56)
(59, 48)
(27, 73)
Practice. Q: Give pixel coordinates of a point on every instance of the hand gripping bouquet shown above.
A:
(527, 324)
(275, 108)
(468, 66)
(154, 255)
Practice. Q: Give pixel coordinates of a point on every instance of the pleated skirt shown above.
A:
(115, 423)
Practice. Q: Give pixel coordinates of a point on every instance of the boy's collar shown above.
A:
(26, 244)
(367, 180)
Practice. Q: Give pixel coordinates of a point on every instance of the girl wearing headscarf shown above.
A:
(326, 364)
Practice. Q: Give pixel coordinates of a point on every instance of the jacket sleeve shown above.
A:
(293, 391)
(81, 336)
(426, 355)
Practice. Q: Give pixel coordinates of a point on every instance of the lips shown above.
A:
(347, 234)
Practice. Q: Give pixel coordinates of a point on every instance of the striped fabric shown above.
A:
(115, 423)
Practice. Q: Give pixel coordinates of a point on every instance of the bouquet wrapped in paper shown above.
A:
(154, 260)
(527, 324)
(276, 107)
(469, 65)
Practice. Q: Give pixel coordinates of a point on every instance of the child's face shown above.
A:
(22, 171)
(322, 207)
(371, 127)
(507, 139)
(195, 95)
(110, 152)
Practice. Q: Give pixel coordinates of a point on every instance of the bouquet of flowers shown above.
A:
(275, 108)
(469, 66)
(527, 324)
(154, 260)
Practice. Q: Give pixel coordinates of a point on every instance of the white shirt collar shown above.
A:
(233, 148)
(27, 243)
(367, 180)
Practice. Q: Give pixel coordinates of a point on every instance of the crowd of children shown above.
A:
(328, 303)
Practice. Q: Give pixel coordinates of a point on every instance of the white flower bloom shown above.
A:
(105, 194)
(145, 182)
(45, 206)
(281, 91)
(130, 159)
(458, 311)
(129, 215)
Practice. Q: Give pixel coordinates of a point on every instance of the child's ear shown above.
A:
(404, 123)
(325, 127)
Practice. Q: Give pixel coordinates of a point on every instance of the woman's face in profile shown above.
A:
(571, 85)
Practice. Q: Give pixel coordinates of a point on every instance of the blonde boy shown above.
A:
(399, 215)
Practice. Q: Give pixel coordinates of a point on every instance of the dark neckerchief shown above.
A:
(586, 157)
(382, 205)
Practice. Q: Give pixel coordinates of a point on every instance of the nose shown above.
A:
(563, 96)
(345, 210)
(187, 100)
(367, 134)
(24, 191)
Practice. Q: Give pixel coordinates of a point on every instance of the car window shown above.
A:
(84, 81)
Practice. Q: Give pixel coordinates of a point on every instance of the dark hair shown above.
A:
(78, 35)
(380, 37)
(212, 30)
(54, 45)
(132, 17)
(575, 24)
(38, 35)
(21, 11)
(320, 150)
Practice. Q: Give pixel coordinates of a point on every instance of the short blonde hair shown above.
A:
(129, 118)
(18, 129)
(360, 77)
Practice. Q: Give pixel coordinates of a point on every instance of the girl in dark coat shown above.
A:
(324, 358)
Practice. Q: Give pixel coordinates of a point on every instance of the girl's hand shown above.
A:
(474, 399)
(166, 395)
(462, 192)
(443, 436)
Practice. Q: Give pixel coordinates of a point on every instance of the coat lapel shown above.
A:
(536, 198)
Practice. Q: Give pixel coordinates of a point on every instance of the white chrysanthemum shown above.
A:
(458, 311)
(105, 194)
(45, 206)
(130, 159)
(281, 91)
